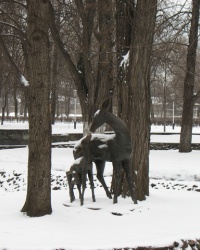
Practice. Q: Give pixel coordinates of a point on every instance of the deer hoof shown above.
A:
(72, 199)
(109, 195)
(114, 201)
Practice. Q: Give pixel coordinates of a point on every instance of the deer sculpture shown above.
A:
(114, 148)
(79, 170)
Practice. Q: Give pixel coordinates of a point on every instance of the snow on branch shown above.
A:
(125, 60)
(24, 81)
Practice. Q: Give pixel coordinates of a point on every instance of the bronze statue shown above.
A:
(115, 148)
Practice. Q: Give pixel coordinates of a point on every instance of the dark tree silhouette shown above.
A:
(188, 97)
(38, 199)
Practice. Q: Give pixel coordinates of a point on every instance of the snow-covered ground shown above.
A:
(64, 128)
(58, 128)
(174, 137)
(169, 214)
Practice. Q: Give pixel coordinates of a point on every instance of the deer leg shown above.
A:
(72, 196)
(116, 168)
(71, 186)
(79, 190)
(90, 176)
(71, 191)
(100, 165)
(126, 168)
(83, 186)
(79, 182)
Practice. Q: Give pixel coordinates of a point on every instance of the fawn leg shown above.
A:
(90, 176)
(100, 165)
(126, 168)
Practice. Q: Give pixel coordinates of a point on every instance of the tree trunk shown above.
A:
(15, 100)
(25, 110)
(54, 69)
(3, 110)
(105, 63)
(143, 24)
(139, 95)
(123, 41)
(54, 84)
(38, 199)
(86, 71)
(5, 103)
(188, 96)
(133, 56)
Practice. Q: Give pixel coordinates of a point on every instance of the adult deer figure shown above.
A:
(114, 148)
(79, 170)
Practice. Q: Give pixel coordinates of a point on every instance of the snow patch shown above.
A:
(97, 112)
(24, 81)
(125, 60)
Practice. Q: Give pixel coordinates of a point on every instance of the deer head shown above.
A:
(99, 116)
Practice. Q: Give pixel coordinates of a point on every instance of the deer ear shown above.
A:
(106, 104)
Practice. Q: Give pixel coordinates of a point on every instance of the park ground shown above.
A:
(168, 218)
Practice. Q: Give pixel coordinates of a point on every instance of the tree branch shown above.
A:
(14, 1)
(10, 60)
(12, 19)
(61, 46)
(14, 27)
(196, 97)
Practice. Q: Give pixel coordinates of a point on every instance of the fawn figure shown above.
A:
(79, 171)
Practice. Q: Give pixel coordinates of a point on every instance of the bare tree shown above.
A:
(12, 43)
(188, 97)
(168, 59)
(90, 63)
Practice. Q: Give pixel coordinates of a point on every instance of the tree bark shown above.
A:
(4, 105)
(105, 63)
(38, 199)
(135, 31)
(15, 100)
(143, 25)
(54, 75)
(124, 12)
(139, 97)
(188, 95)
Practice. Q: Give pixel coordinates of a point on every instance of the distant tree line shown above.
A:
(168, 57)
